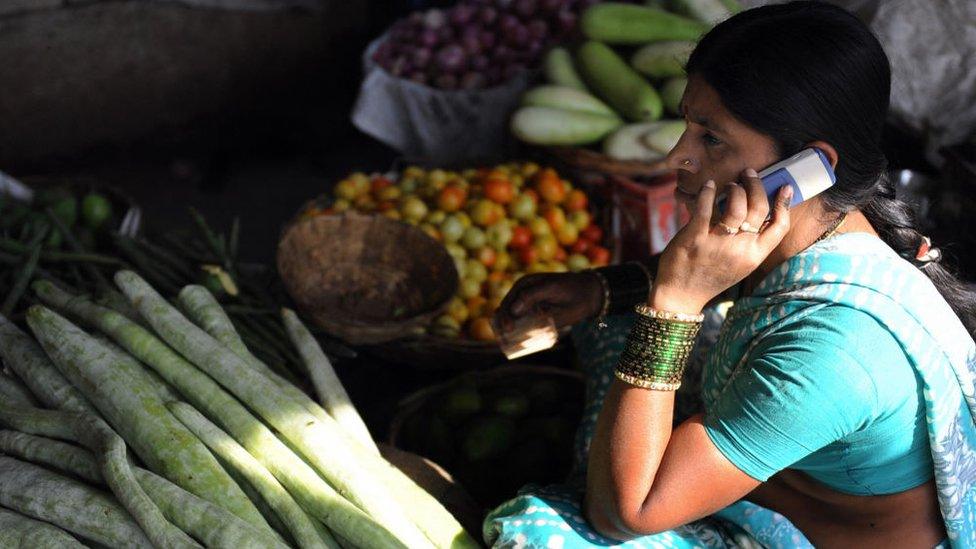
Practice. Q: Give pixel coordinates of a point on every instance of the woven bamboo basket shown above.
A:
(365, 279)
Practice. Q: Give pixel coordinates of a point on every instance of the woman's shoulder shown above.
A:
(843, 343)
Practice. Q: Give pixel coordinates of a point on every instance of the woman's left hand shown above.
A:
(704, 259)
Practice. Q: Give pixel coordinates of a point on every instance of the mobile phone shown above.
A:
(808, 172)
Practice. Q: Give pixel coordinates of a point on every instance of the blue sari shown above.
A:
(854, 270)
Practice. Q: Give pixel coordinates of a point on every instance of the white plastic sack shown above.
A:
(932, 47)
(438, 125)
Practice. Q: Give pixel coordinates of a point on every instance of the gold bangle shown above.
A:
(650, 312)
(647, 384)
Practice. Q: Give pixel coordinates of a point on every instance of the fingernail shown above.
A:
(710, 184)
(788, 193)
(751, 172)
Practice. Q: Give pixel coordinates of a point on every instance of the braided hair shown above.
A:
(805, 71)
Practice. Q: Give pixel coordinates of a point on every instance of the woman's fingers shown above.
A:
(736, 207)
(776, 230)
(758, 204)
(702, 220)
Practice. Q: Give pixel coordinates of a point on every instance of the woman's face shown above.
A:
(715, 145)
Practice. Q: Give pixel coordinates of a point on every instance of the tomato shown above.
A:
(499, 190)
(578, 262)
(473, 238)
(599, 256)
(581, 219)
(487, 256)
(503, 261)
(540, 227)
(379, 183)
(593, 233)
(499, 235)
(413, 209)
(581, 246)
(555, 216)
(476, 306)
(494, 278)
(567, 235)
(470, 288)
(457, 310)
(561, 255)
(531, 193)
(452, 228)
(528, 255)
(485, 213)
(480, 329)
(546, 247)
(521, 237)
(550, 187)
(522, 208)
(576, 201)
(451, 198)
(475, 270)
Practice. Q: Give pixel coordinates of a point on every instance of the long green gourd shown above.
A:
(311, 491)
(327, 384)
(135, 410)
(299, 523)
(21, 532)
(114, 468)
(203, 309)
(321, 442)
(69, 504)
(21, 353)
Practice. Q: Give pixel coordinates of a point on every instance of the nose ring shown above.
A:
(686, 162)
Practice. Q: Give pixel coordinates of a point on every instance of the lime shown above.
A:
(461, 402)
(95, 210)
(488, 437)
(66, 209)
(512, 405)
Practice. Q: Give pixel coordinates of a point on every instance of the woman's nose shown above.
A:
(681, 158)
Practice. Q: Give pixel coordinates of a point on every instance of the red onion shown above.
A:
(421, 57)
(462, 14)
(471, 43)
(565, 21)
(451, 59)
(488, 15)
(419, 77)
(551, 6)
(434, 19)
(518, 37)
(538, 30)
(473, 81)
(446, 82)
(429, 38)
(507, 23)
(524, 8)
(480, 62)
(446, 35)
(488, 40)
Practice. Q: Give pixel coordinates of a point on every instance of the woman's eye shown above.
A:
(710, 140)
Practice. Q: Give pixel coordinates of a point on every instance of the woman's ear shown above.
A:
(828, 149)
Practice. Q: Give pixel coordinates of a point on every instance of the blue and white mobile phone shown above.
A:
(808, 172)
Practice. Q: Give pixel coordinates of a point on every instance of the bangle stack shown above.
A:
(658, 348)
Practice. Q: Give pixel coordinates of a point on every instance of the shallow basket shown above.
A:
(365, 279)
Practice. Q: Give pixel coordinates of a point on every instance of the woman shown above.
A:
(838, 397)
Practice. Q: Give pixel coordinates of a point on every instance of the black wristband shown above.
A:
(629, 284)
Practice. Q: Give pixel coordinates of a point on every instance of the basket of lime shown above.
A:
(496, 430)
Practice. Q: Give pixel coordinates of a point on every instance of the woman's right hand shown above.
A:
(567, 297)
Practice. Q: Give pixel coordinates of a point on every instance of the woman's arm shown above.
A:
(643, 478)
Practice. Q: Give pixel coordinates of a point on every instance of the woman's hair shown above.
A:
(806, 71)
